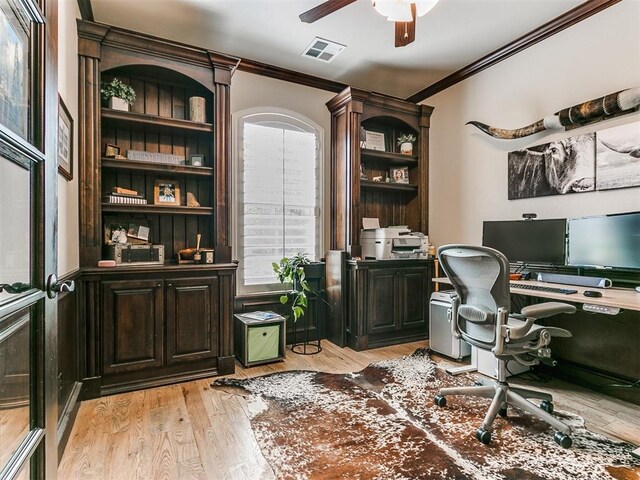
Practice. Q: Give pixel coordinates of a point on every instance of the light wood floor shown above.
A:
(187, 431)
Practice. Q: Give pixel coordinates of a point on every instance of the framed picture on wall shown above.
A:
(65, 141)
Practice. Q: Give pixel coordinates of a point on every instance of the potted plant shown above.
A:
(291, 271)
(405, 142)
(118, 95)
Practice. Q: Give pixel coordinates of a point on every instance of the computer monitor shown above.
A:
(528, 241)
(605, 241)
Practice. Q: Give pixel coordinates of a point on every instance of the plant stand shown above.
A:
(301, 343)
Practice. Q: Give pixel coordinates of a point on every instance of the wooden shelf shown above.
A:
(404, 187)
(146, 209)
(156, 167)
(155, 121)
(389, 157)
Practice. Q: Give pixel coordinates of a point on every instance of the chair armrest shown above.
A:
(535, 312)
(547, 309)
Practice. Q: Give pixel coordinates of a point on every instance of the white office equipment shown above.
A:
(441, 337)
(393, 242)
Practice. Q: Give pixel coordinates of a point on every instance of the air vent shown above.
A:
(323, 50)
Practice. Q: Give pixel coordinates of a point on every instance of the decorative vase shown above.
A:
(197, 109)
(116, 103)
(406, 148)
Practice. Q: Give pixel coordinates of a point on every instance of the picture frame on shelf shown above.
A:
(375, 141)
(166, 193)
(196, 160)
(399, 174)
(138, 232)
(65, 141)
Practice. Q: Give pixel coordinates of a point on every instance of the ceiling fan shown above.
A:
(402, 12)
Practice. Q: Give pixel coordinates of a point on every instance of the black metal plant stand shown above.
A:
(301, 342)
(307, 332)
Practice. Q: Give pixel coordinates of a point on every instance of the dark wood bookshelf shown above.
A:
(155, 121)
(403, 187)
(144, 209)
(156, 167)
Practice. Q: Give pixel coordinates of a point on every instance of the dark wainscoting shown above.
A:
(69, 385)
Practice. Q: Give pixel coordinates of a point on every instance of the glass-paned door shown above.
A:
(24, 206)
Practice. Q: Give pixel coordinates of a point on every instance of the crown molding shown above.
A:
(266, 70)
(86, 11)
(566, 20)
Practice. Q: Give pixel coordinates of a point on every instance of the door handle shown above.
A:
(54, 287)
(17, 287)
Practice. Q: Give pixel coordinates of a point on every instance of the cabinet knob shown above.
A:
(160, 284)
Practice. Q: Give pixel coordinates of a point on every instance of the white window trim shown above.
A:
(238, 119)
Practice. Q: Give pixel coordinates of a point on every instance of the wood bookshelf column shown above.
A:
(222, 71)
(90, 37)
(423, 166)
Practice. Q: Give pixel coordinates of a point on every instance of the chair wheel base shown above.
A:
(563, 440)
(440, 401)
(483, 436)
(547, 406)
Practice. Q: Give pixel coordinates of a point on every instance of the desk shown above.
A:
(624, 298)
(600, 352)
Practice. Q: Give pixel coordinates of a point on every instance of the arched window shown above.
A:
(277, 193)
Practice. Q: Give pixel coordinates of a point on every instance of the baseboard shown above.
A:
(622, 389)
(134, 385)
(68, 417)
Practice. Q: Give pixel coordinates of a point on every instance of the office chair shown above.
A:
(481, 316)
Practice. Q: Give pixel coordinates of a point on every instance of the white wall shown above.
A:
(468, 169)
(250, 91)
(68, 225)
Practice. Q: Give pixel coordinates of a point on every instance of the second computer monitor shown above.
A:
(528, 241)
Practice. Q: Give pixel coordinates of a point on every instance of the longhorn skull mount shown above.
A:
(608, 106)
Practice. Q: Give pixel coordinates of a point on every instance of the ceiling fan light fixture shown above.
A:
(400, 10)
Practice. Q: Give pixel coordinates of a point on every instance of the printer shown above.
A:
(393, 242)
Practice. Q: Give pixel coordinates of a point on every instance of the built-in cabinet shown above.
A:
(149, 325)
(157, 325)
(377, 302)
(388, 302)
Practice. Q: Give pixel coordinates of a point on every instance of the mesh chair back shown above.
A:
(480, 276)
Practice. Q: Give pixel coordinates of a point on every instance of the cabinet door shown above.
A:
(383, 301)
(193, 317)
(133, 325)
(414, 288)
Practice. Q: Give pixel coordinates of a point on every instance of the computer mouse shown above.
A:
(591, 293)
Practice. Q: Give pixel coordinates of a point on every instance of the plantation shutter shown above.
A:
(278, 198)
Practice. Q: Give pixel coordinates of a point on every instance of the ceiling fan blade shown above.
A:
(406, 31)
(324, 9)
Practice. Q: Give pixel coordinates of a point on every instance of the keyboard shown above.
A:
(540, 288)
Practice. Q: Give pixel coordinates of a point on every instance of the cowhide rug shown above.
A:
(381, 423)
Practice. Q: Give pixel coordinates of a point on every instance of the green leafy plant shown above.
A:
(291, 271)
(118, 89)
(406, 138)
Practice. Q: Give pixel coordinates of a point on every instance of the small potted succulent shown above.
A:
(118, 95)
(405, 142)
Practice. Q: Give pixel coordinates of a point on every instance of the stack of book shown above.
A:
(124, 196)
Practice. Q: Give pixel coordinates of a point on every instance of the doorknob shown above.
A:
(54, 287)
(17, 287)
